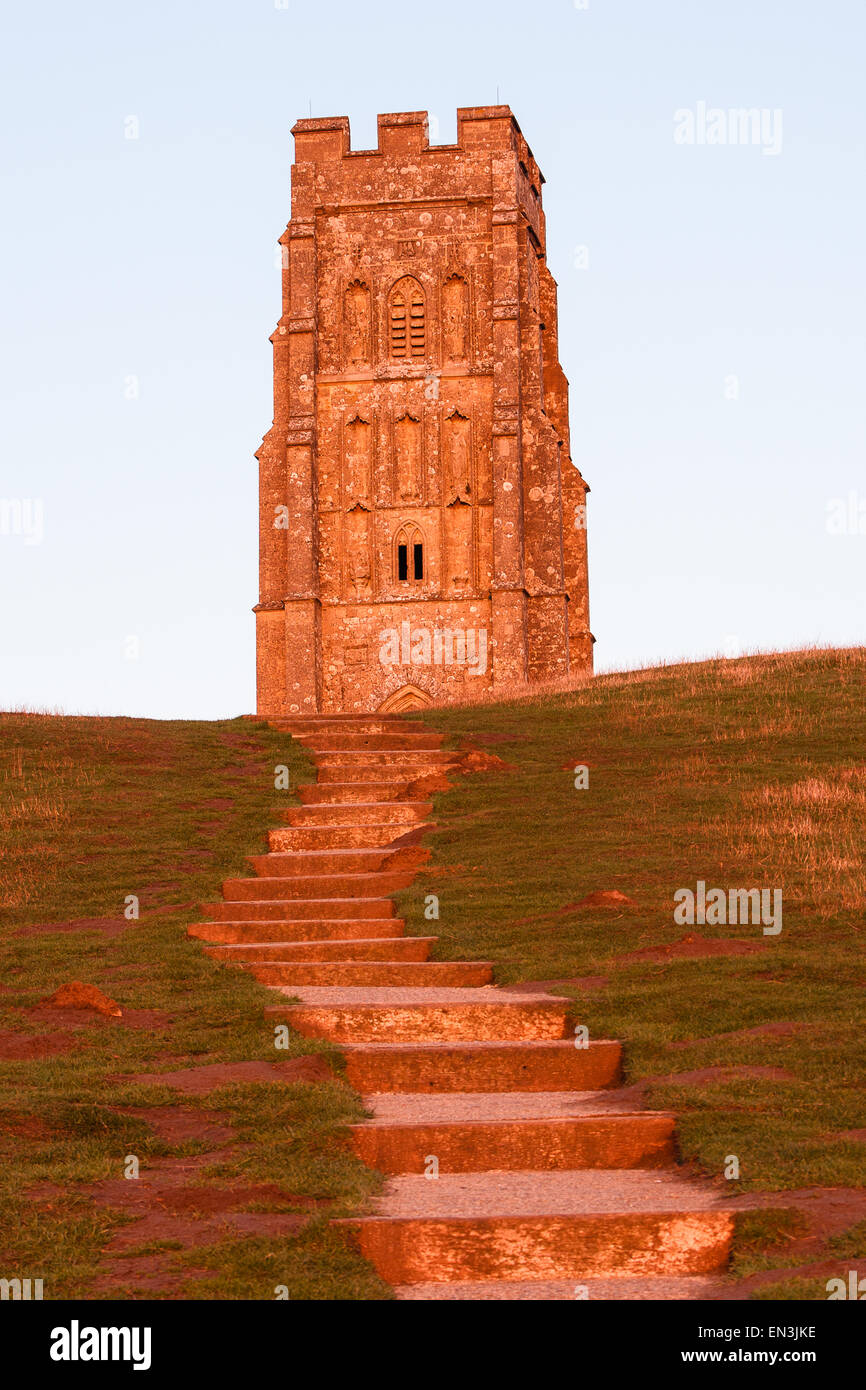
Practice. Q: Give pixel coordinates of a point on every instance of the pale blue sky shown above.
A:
(155, 258)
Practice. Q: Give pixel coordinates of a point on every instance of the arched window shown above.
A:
(409, 557)
(407, 320)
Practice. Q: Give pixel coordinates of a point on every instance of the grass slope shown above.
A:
(741, 774)
(92, 812)
(745, 774)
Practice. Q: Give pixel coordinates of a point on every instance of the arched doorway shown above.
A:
(405, 700)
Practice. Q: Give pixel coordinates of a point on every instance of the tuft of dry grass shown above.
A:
(692, 679)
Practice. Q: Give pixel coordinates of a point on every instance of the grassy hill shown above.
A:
(741, 775)
(92, 812)
(745, 774)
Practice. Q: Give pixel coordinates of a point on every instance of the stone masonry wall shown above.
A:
(417, 479)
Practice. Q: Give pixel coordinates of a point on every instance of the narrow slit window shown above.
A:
(419, 564)
(403, 564)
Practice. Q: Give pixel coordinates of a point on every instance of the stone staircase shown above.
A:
(547, 1187)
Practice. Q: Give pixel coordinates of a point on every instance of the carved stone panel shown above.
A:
(357, 463)
(357, 326)
(455, 319)
(457, 459)
(409, 452)
(359, 566)
(459, 568)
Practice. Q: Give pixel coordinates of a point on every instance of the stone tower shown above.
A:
(423, 527)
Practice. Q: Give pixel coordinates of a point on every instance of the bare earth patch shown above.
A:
(701, 1076)
(66, 1019)
(828, 1212)
(148, 1274)
(77, 996)
(695, 948)
(17, 1125)
(182, 1124)
(106, 926)
(200, 1081)
(216, 803)
(766, 1030)
(169, 1205)
(475, 760)
(604, 898)
(19, 1047)
(431, 785)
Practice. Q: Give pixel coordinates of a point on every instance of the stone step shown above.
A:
(404, 1016)
(300, 910)
(697, 1288)
(334, 723)
(349, 793)
(326, 837)
(393, 974)
(543, 1182)
(325, 887)
(394, 762)
(402, 773)
(408, 948)
(549, 1246)
(322, 741)
(376, 1069)
(254, 932)
(469, 1107)
(590, 1141)
(359, 813)
(313, 863)
(596, 1192)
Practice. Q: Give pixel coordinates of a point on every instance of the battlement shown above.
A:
(480, 130)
